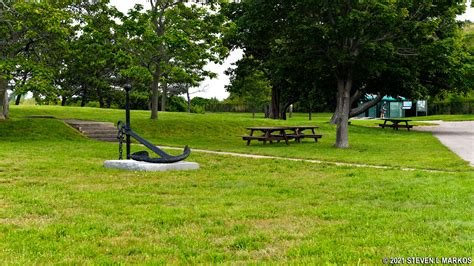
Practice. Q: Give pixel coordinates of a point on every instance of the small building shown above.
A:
(394, 107)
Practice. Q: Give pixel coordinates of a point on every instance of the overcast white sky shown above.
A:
(469, 14)
(216, 87)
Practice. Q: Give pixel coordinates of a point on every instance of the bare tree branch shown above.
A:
(406, 52)
(357, 94)
(365, 106)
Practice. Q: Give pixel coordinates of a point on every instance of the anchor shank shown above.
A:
(127, 118)
(143, 155)
(147, 144)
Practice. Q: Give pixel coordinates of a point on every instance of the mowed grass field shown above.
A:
(59, 205)
(222, 132)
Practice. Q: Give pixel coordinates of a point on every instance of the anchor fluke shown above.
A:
(145, 157)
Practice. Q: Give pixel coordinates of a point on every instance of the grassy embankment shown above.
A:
(469, 35)
(369, 143)
(59, 205)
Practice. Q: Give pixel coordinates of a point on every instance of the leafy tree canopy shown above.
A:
(349, 48)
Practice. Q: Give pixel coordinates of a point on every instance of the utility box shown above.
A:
(395, 110)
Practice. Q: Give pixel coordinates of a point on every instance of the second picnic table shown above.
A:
(269, 134)
(396, 123)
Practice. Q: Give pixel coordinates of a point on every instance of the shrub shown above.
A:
(176, 104)
(93, 104)
(197, 109)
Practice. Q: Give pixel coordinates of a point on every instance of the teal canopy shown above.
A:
(385, 98)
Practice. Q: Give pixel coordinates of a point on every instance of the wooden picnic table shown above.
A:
(298, 133)
(268, 134)
(396, 123)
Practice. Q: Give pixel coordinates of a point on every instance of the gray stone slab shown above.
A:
(145, 166)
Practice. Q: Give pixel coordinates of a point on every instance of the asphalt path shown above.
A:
(457, 136)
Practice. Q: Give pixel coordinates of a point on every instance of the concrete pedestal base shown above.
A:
(144, 166)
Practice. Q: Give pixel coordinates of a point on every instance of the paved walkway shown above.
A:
(457, 136)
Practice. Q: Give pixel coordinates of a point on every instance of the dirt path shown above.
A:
(457, 136)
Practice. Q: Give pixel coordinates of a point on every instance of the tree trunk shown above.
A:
(335, 115)
(101, 98)
(253, 112)
(357, 94)
(18, 99)
(358, 110)
(108, 101)
(63, 100)
(164, 94)
(283, 111)
(23, 82)
(275, 103)
(83, 100)
(101, 102)
(3, 98)
(154, 93)
(189, 100)
(343, 109)
(84, 97)
(310, 114)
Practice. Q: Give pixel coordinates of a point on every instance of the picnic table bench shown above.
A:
(271, 134)
(298, 133)
(395, 123)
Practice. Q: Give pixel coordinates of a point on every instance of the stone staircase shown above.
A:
(103, 131)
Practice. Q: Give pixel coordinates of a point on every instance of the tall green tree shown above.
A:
(257, 28)
(359, 40)
(174, 40)
(94, 56)
(354, 45)
(26, 30)
(250, 85)
(28, 33)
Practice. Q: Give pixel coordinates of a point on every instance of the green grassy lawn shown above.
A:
(222, 132)
(59, 205)
(469, 35)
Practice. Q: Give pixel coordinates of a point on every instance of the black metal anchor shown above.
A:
(125, 130)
